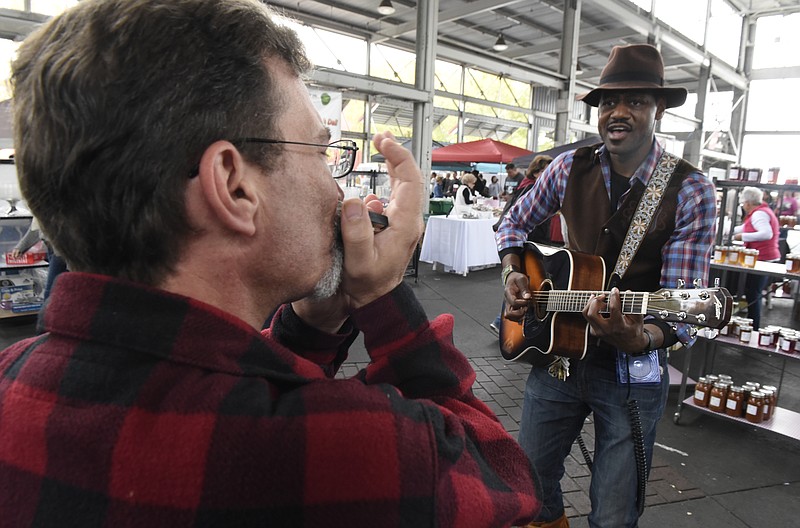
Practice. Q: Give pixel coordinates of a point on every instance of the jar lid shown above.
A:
(720, 384)
(712, 377)
(770, 387)
(757, 394)
(702, 379)
(736, 388)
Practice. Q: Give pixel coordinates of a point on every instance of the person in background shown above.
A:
(465, 195)
(513, 178)
(432, 183)
(598, 190)
(451, 185)
(151, 135)
(535, 168)
(494, 188)
(760, 230)
(55, 264)
(438, 191)
(788, 204)
(480, 184)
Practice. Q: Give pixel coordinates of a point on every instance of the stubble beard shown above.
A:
(328, 285)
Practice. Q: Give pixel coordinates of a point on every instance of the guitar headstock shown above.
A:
(709, 307)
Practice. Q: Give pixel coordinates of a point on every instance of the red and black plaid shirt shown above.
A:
(143, 408)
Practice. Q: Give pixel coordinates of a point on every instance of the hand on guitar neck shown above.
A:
(623, 331)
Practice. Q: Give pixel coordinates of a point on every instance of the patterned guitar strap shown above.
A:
(640, 223)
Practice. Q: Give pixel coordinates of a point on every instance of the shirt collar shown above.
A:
(645, 169)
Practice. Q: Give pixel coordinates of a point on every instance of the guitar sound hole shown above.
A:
(541, 300)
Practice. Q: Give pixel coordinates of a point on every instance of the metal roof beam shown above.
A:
(451, 15)
(370, 85)
(623, 12)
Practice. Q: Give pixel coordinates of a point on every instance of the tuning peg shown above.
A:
(701, 318)
(716, 282)
(682, 315)
(692, 331)
(681, 283)
(698, 282)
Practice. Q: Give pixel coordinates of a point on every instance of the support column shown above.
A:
(422, 129)
(569, 61)
(745, 66)
(691, 151)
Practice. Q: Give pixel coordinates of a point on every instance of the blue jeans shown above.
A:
(552, 417)
(753, 287)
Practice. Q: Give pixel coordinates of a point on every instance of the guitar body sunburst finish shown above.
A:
(563, 282)
(542, 332)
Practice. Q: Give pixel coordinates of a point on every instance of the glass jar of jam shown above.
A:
(702, 392)
(755, 405)
(765, 337)
(788, 341)
(750, 258)
(745, 333)
(774, 391)
(720, 254)
(734, 406)
(776, 333)
(718, 397)
(792, 263)
(733, 255)
(769, 404)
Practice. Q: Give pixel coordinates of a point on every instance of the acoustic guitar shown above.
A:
(561, 285)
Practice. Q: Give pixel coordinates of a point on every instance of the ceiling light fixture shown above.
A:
(386, 7)
(500, 44)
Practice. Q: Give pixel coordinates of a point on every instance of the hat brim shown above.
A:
(674, 96)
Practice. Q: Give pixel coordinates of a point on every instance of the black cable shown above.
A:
(639, 454)
(638, 445)
(586, 456)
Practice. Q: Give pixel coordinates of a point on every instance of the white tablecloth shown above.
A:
(459, 244)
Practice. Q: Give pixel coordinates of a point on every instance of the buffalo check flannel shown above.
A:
(138, 407)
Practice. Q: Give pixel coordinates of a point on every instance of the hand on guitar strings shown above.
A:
(606, 321)
(518, 296)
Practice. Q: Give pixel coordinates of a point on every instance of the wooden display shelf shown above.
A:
(783, 421)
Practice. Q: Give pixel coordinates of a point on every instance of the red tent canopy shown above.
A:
(483, 151)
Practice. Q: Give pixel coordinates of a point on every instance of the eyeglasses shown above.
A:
(341, 154)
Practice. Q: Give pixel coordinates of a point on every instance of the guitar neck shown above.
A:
(576, 300)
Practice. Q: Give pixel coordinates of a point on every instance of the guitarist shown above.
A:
(597, 189)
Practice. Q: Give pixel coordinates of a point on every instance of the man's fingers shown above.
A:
(357, 232)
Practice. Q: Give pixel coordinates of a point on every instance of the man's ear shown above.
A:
(227, 186)
(661, 107)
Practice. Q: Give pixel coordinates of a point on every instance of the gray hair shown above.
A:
(754, 195)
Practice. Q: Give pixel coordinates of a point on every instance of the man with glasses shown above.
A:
(150, 137)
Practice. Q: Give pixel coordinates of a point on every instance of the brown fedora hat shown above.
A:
(635, 67)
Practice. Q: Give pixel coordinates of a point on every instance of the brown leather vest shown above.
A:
(586, 204)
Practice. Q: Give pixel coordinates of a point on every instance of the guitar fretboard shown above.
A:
(575, 301)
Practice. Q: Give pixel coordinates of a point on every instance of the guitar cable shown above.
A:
(638, 446)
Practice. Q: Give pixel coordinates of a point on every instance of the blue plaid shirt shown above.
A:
(687, 254)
